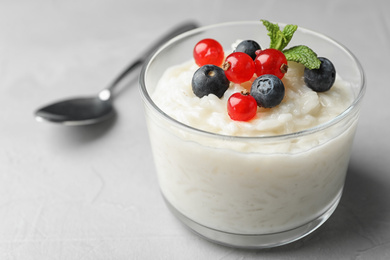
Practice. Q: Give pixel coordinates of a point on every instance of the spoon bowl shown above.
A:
(95, 109)
(77, 111)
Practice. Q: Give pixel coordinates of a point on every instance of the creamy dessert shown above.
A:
(265, 191)
(272, 170)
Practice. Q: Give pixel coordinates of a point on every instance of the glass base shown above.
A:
(256, 241)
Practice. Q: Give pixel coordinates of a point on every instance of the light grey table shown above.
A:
(92, 193)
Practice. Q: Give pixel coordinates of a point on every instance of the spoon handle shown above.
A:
(176, 31)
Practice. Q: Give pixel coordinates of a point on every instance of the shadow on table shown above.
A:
(360, 217)
(88, 133)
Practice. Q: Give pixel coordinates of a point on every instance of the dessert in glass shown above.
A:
(259, 183)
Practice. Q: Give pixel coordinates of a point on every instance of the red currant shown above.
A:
(241, 106)
(271, 61)
(239, 67)
(208, 51)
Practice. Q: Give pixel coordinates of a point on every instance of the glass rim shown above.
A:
(148, 101)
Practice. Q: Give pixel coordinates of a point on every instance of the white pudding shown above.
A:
(244, 185)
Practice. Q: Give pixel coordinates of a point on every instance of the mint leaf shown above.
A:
(279, 39)
(303, 55)
(288, 32)
(274, 34)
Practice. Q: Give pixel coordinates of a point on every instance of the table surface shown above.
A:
(91, 192)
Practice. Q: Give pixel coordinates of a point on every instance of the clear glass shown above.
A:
(251, 192)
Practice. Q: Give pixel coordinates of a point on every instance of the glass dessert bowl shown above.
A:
(251, 191)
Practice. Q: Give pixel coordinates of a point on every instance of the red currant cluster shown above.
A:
(247, 63)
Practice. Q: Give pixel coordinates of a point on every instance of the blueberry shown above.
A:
(268, 90)
(209, 79)
(321, 79)
(249, 47)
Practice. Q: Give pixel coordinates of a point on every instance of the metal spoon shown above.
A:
(95, 109)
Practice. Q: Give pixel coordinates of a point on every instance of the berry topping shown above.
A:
(208, 51)
(209, 79)
(271, 61)
(268, 90)
(249, 47)
(241, 106)
(321, 79)
(239, 67)
(249, 61)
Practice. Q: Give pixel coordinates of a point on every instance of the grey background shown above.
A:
(91, 192)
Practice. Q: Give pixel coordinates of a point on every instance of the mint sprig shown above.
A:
(280, 40)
